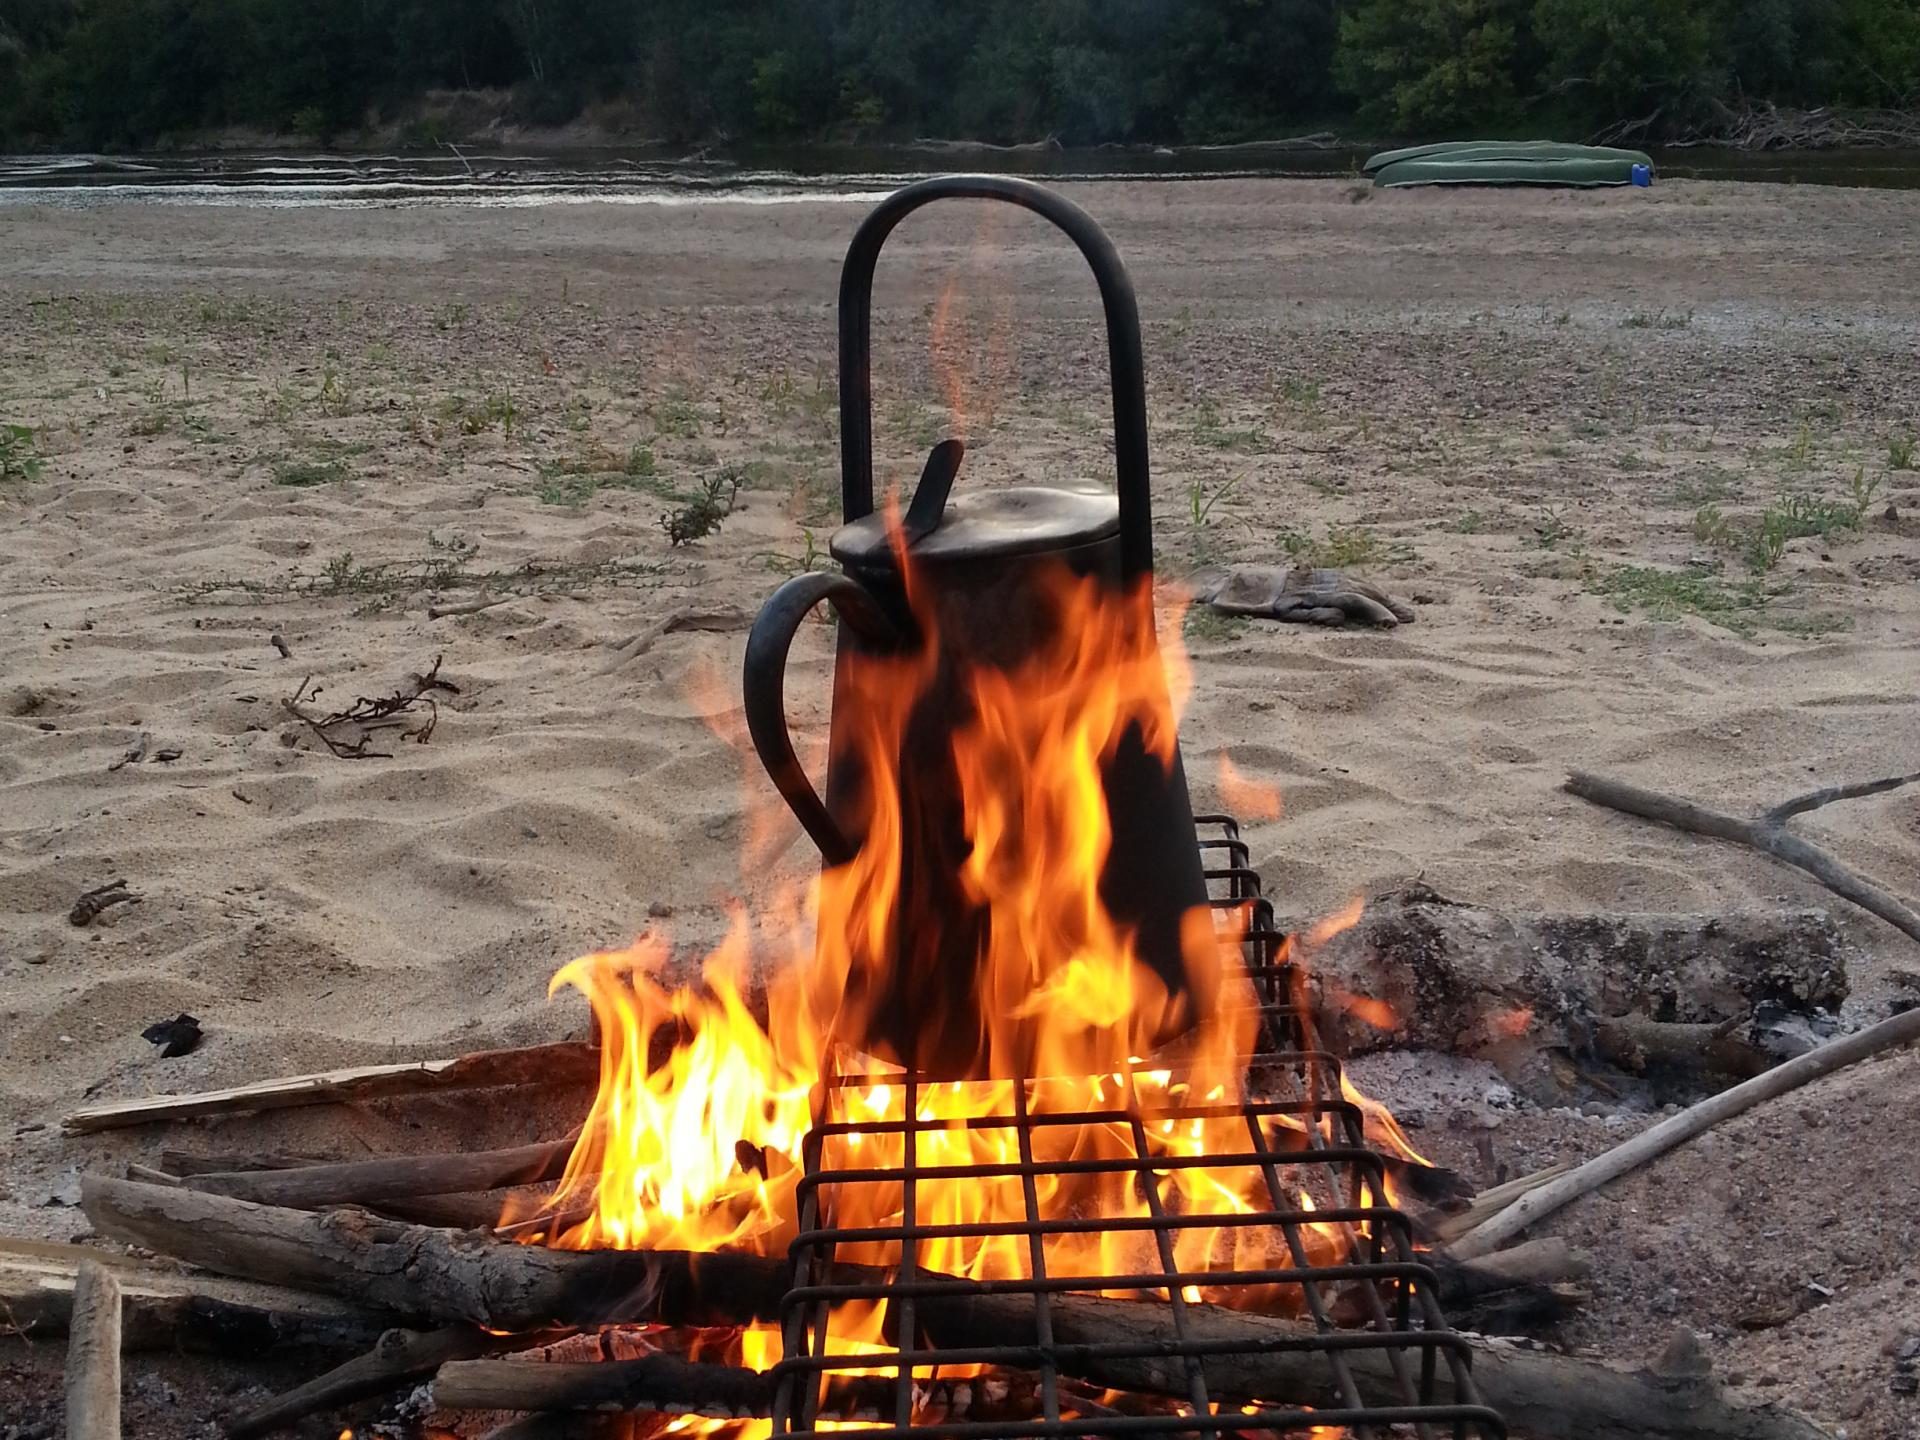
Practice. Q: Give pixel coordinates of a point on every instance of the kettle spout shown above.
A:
(929, 502)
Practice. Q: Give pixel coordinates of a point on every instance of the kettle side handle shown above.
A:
(763, 691)
(1127, 368)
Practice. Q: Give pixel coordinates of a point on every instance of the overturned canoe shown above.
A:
(1509, 162)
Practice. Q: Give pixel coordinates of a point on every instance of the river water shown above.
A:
(652, 175)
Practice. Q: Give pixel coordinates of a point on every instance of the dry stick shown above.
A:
(398, 1358)
(470, 607)
(1490, 1202)
(1678, 1129)
(362, 1182)
(568, 1063)
(1765, 833)
(466, 1276)
(93, 1356)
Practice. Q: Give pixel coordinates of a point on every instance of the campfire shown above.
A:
(1014, 1121)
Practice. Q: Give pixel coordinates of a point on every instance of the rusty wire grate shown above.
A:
(1321, 1246)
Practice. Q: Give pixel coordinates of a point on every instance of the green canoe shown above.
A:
(1508, 162)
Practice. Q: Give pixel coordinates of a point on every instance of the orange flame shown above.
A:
(694, 1138)
(1248, 798)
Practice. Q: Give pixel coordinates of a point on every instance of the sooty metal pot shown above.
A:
(977, 560)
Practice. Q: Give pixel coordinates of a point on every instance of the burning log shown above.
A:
(93, 1356)
(472, 1278)
(397, 1358)
(568, 1063)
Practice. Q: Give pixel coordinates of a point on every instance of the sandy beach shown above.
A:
(1554, 422)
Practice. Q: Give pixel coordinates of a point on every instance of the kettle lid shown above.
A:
(989, 524)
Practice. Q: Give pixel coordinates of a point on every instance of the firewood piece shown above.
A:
(93, 1356)
(1766, 833)
(364, 1182)
(669, 1384)
(1536, 1262)
(1633, 1042)
(1491, 1201)
(165, 1310)
(1537, 1393)
(1676, 1130)
(398, 1358)
(568, 1063)
(504, 1286)
(442, 1275)
(187, 1163)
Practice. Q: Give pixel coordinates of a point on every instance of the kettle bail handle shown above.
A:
(1125, 364)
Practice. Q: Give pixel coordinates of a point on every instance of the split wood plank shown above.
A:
(566, 1063)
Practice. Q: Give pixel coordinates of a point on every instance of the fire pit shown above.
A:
(1083, 1360)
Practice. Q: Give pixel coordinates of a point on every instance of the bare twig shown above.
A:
(369, 717)
(1766, 833)
(136, 753)
(1603, 1169)
(470, 607)
(722, 619)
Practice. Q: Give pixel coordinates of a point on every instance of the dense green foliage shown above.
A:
(128, 72)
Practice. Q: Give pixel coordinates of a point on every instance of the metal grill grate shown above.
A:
(1316, 1243)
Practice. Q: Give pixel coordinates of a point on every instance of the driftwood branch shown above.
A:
(93, 1356)
(471, 1278)
(1603, 1169)
(398, 1358)
(1765, 833)
(569, 1063)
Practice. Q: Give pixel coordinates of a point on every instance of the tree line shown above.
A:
(105, 73)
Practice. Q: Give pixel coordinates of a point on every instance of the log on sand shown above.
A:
(165, 1310)
(468, 1277)
(93, 1356)
(562, 1064)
